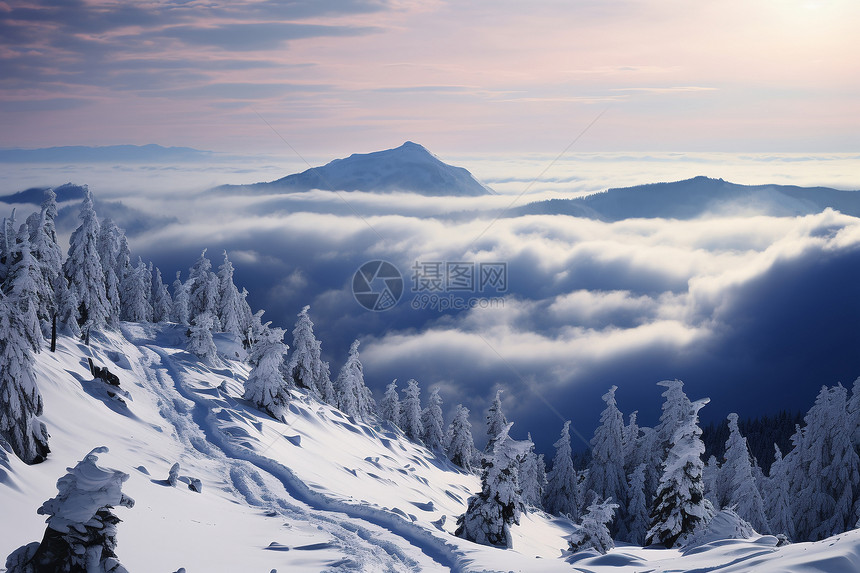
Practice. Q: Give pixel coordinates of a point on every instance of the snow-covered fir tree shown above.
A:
(459, 440)
(266, 386)
(629, 442)
(532, 476)
(26, 290)
(637, 519)
(562, 495)
(778, 497)
(45, 249)
(824, 469)
(353, 397)
(250, 322)
(83, 267)
(162, 304)
(854, 414)
(647, 452)
(135, 294)
(200, 341)
(737, 480)
(389, 406)
(7, 243)
(710, 479)
(25, 283)
(606, 475)
(147, 275)
(654, 444)
(203, 294)
(496, 420)
(676, 408)
(432, 423)
(67, 307)
(498, 506)
(680, 504)
(123, 257)
(82, 528)
(230, 311)
(181, 310)
(109, 251)
(20, 400)
(305, 368)
(593, 530)
(410, 411)
(324, 383)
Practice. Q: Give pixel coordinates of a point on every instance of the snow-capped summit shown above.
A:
(409, 168)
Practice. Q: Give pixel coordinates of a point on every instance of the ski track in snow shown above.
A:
(242, 456)
(371, 543)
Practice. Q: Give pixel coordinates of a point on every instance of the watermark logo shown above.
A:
(459, 276)
(377, 285)
(437, 285)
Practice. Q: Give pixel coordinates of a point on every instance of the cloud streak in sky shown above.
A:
(751, 75)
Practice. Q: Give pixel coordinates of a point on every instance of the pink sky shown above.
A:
(336, 76)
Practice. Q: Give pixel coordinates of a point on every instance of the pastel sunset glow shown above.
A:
(338, 76)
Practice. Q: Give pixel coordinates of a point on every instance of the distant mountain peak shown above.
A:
(408, 168)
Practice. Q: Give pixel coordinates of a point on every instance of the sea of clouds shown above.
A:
(756, 312)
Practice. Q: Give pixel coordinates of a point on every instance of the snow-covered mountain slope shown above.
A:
(408, 168)
(322, 492)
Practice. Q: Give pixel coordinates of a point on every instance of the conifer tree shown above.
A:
(498, 506)
(200, 341)
(162, 304)
(49, 257)
(532, 476)
(266, 386)
(20, 400)
(637, 520)
(461, 444)
(67, 307)
(676, 407)
(181, 311)
(410, 411)
(778, 497)
(647, 452)
(606, 470)
(324, 383)
(679, 505)
(710, 479)
(203, 291)
(28, 292)
(496, 420)
(738, 482)
(135, 288)
(824, 469)
(562, 496)
(123, 257)
(305, 368)
(109, 249)
(854, 414)
(389, 406)
(230, 309)
(629, 443)
(83, 268)
(353, 397)
(432, 423)
(593, 530)
(249, 323)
